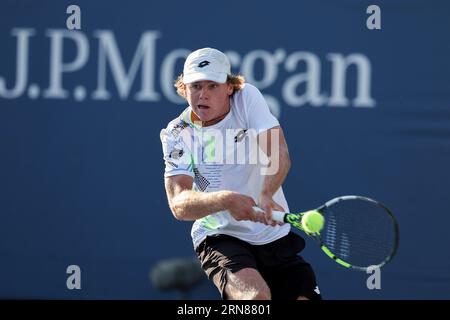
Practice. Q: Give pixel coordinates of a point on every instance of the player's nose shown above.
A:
(203, 94)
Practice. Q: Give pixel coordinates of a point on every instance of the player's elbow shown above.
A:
(178, 210)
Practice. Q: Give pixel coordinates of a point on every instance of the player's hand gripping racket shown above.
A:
(356, 232)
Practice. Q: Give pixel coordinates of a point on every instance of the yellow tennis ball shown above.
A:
(312, 221)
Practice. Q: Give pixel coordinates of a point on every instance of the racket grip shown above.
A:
(276, 215)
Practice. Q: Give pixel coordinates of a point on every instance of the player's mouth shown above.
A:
(201, 106)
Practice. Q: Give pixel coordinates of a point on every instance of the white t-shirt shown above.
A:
(225, 156)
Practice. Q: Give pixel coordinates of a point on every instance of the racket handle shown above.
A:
(276, 215)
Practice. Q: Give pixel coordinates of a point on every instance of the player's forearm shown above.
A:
(193, 205)
(277, 171)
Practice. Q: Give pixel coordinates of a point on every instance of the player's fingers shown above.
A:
(268, 215)
(254, 214)
(259, 217)
(277, 207)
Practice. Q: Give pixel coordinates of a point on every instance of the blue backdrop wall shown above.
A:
(364, 112)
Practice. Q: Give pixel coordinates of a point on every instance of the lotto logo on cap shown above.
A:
(206, 64)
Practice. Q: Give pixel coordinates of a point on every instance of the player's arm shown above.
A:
(187, 204)
(277, 170)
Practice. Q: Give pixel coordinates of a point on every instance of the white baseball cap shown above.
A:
(206, 64)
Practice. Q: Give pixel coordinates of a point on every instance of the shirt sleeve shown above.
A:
(177, 157)
(259, 116)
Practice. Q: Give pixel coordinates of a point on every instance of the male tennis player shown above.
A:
(212, 178)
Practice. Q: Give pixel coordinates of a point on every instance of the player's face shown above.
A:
(208, 99)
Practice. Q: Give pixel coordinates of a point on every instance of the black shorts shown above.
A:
(286, 273)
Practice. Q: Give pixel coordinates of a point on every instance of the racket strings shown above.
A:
(359, 232)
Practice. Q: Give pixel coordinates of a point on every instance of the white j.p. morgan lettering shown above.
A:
(300, 73)
(23, 36)
(58, 66)
(144, 56)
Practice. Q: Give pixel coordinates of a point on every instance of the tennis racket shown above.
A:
(358, 232)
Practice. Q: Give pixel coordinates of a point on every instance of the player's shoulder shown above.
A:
(242, 94)
(246, 98)
(248, 89)
(176, 126)
(247, 95)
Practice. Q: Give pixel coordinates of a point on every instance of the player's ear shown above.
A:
(230, 89)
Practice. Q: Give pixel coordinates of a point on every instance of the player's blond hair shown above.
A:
(236, 80)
